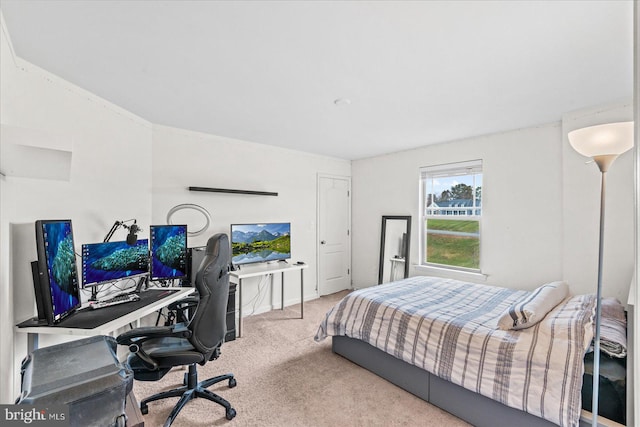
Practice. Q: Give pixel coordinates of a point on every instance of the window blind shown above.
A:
(451, 169)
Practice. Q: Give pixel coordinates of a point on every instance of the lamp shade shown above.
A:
(610, 139)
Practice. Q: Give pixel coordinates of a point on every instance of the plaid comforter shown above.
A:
(449, 328)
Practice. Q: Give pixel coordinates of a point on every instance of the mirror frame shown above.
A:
(406, 218)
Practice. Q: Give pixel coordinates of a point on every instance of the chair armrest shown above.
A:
(184, 303)
(138, 335)
(135, 337)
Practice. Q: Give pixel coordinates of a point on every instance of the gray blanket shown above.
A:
(613, 328)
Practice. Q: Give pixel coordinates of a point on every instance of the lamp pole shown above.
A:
(603, 162)
(596, 339)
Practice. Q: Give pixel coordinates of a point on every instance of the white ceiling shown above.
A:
(416, 73)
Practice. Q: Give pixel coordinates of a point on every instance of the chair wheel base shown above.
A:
(231, 413)
(193, 390)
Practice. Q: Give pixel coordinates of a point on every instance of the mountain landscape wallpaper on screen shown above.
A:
(260, 242)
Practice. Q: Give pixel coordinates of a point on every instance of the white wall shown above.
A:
(8, 73)
(521, 244)
(184, 158)
(102, 175)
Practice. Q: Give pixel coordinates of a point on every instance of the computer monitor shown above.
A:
(112, 261)
(57, 270)
(196, 255)
(168, 251)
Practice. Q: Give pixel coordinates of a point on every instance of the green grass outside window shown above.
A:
(457, 251)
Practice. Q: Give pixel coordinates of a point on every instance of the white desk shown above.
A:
(109, 326)
(268, 270)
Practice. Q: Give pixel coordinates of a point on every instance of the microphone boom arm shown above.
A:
(115, 227)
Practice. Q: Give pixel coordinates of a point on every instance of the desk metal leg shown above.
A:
(32, 342)
(282, 291)
(301, 294)
(239, 308)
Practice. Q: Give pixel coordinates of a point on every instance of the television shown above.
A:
(252, 243)
(57, 270)
(168, 252)
(112, 261)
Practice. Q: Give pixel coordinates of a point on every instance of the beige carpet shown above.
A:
(285, 378)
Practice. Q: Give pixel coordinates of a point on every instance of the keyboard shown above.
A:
(118, 299)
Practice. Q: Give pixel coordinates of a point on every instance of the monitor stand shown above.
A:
(94, 293)
(142, 282)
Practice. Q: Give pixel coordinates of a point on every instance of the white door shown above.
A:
(334, 234)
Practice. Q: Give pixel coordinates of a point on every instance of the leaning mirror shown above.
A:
(394, 248)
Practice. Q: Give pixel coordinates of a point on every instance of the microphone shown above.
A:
(132, 238)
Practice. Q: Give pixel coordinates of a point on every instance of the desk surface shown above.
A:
(254, 271)
(103, 321)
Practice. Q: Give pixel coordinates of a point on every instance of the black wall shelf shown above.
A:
(226, 190)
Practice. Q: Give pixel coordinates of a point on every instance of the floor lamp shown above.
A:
(603, 143)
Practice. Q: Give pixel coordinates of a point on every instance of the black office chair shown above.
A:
(156, 349)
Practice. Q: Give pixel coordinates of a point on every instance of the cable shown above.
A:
(255, 300)
(90, 289)
(258, 296)
(117, 285)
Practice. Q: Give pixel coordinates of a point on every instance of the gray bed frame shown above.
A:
(467, 405)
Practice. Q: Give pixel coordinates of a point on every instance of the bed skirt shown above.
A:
(471, 407)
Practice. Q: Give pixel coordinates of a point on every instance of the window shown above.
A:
(451, 209)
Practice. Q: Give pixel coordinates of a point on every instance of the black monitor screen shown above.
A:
(112, 261)
(196, 255)
(168, 251)
(57, 266)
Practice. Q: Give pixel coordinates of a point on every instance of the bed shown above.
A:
(445, 341)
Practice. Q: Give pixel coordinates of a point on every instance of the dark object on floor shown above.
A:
(612, 391)
(155, 350)
(85, 375)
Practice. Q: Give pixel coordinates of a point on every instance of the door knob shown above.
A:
(323, 242)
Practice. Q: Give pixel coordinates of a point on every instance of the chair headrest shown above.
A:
(215, 242)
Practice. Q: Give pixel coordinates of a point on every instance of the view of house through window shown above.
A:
(451, 205)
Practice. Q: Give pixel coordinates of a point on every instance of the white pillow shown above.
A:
(532, 308)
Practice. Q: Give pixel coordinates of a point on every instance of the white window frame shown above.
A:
(448, 170)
